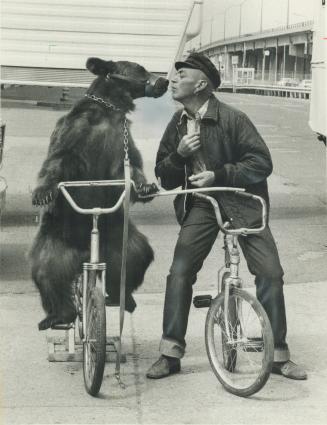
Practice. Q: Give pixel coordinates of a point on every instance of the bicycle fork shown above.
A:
(232, 261)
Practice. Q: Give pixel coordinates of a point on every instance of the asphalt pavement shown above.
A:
(36, 391)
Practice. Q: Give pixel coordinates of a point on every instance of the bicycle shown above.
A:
(90, 290)
(238, 335)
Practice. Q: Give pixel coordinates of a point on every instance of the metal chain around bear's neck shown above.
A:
(104, 102)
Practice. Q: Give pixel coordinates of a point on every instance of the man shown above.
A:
(211, 144)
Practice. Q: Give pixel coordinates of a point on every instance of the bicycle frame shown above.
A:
(94, 263)
(230, 236)
(232, 250)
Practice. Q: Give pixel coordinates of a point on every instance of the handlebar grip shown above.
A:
(245, 194)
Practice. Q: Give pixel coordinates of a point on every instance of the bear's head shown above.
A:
(125, 78)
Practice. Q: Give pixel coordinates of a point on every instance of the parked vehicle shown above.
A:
(318, 104)
(3, 183)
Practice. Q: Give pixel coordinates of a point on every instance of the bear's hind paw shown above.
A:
(46, 323)
(52, 321)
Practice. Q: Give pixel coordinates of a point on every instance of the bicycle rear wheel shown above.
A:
(94, 346)
(240, 349)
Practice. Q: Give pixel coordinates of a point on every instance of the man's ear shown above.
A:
(201, 85)
(100, 67)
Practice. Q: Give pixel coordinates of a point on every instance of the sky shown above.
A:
(274, 14)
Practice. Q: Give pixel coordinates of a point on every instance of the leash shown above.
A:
(127, 177)
(127, 173)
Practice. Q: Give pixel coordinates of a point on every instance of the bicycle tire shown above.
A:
(94, 345)
(249, 375)
(79, 307)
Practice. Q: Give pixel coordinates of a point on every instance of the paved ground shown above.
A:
(35, 391)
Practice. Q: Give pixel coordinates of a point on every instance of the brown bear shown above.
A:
(87, 144)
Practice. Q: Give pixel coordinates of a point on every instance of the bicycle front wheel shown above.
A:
(239, 342)
(94, 346)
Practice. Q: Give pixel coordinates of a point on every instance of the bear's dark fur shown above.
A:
(87, 144)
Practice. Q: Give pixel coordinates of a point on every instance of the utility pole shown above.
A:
(261, 15)
(284, 60)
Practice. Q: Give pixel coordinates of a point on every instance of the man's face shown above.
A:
(185, 82)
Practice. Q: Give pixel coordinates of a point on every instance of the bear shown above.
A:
(88, 144)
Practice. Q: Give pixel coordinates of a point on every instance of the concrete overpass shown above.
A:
(275, 54)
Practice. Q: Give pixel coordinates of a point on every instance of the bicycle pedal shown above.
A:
(254, 345)
(63, 326)
(201, 301)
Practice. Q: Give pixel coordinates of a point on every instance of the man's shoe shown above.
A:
(163, 367)
(289, 370)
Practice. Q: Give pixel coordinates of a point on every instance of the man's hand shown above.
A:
(189, 144)
(204, 179)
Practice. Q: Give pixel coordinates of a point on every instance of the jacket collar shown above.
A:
(212, 112)
(202, 111)
(213, 109)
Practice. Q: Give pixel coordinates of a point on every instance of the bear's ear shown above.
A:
(100, 67)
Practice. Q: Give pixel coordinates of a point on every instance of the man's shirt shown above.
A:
(193, 126)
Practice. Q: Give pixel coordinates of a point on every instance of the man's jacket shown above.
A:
(232, 148)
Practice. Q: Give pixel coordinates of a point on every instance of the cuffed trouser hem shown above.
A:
(281, 354)
(171, 348)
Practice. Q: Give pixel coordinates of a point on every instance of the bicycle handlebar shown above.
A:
(97, 210)
(199, 192)
(241, 230)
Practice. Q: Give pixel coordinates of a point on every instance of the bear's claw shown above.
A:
(42, 197)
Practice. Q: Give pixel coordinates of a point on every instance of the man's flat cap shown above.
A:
(202, 62)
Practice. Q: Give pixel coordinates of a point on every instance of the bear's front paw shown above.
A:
(145, 190)
(42, 196)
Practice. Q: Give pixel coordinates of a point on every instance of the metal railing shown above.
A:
(270, 78)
